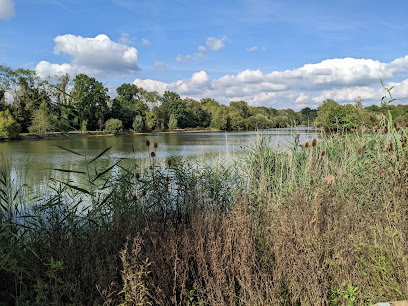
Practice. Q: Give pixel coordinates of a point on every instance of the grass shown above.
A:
(323, 223)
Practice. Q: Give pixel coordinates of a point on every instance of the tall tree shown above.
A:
(90, 101)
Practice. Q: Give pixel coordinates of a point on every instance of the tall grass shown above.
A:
(323, 223)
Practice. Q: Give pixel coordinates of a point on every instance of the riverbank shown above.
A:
(331, 215)
(28, 136)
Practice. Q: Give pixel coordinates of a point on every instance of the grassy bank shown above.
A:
(325, 223)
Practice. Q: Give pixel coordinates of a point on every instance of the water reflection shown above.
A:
(33, 161)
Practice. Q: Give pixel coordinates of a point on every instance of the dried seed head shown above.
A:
(155, 145)
(403, 145)
(405, 139)
(360, 150)
(306, 144)
(311, 182)
(386, 130)
(137, 176)
(167, 179)
(143, 193)
(152, 154)
(314, 142)
(169, 162)
(397, 129)
(323, 153)
(134, 197)
(395, 125)
(398, 157)
(393, 183)
(147, 143)
(390, 145)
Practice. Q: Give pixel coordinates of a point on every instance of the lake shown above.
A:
(33, 161)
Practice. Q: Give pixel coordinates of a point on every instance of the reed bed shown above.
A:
(323, 223)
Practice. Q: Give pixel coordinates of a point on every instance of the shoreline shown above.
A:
(104, 134)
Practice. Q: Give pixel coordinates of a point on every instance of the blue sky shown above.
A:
(272, 53)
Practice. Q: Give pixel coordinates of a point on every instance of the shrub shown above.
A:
(114, 126)
(9, 128)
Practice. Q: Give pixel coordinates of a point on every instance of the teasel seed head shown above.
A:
(155, 145)
(360, 150)
(167, 179)
(311, 182)
(405, 139)
(169, 162)
(306, 144)
(134, 197)
(398, 157)
(143, 193)
(323, 153)
(395, 125)
(137, 176)
(147, 143)
(314, 142)
(152, 154)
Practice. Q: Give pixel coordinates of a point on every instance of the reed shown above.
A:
(323, 223)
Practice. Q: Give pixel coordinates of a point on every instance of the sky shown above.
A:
(276, 53)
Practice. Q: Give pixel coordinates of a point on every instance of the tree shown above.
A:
(41, 121)
(138, 124)
(172, 104)
(259, 121)
(9, 128)
(172, 122)
(114, 126)
(90, 100)
(220, 119)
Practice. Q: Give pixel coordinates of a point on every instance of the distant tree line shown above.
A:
(29, 104)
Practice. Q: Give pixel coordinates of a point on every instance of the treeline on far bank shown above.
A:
(29, 104)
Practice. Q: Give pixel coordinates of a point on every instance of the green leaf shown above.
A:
(69, 171)
(69, 150)
(100, 154)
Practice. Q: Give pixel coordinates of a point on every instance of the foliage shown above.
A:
(41, 121)
(114, 126)
(9, 128)
(138, 124)
(172, 122)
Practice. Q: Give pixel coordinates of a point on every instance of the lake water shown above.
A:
(33, 161)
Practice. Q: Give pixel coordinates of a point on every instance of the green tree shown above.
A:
(9, 128)
(259, 122)
(172, 122)
(41, 121)
(220, 119)
(138, 124)
(114, 126)
(90, 99)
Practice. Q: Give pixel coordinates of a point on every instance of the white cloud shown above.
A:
(201, 49)
(254, 48)
(216, 44)
(189, 57)
(97, 56)
(340, 79)
(160, 65)
(146, 42)
(7, 10)
(125, 39)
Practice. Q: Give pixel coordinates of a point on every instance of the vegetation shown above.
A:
(330, 214)
(113, 126)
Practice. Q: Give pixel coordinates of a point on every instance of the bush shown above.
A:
(114, 126)
(138, 124)
(9, 128)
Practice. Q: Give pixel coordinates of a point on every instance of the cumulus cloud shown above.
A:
(160, 65)
(201, 49)
(7, 10)
(97, 56)
(340, 79)
(216, 44)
